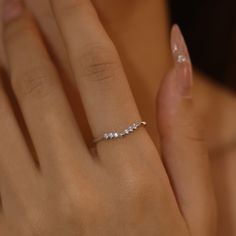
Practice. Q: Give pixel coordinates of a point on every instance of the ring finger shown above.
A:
(102, 83)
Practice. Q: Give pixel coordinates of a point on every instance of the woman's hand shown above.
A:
(123, 189)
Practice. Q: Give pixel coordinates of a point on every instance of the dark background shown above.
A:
(209, 27)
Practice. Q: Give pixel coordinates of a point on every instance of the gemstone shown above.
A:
(126, 131)
(106, 136)
(110, 136)
(175, 48)
(116, 135)
(131, 129)
(181, 59)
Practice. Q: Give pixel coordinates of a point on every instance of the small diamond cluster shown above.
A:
(130, 129)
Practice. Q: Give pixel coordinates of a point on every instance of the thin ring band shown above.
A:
(117, 134)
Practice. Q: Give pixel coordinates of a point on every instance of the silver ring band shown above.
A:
(121, 134)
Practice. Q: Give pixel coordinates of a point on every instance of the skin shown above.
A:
(124, 189)
(145, 69)
(132, 58)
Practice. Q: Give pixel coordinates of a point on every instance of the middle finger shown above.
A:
(38, 89)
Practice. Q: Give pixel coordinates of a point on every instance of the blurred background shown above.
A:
(209, 27)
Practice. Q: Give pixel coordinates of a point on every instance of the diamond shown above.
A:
(131, 129)
(116, 135)
(181, 59)
(126, 131)
(175, 48)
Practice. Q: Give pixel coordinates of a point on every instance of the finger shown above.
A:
(35, 81)
(103, 86)
(46, 20)
(17, 167)
(184, 153)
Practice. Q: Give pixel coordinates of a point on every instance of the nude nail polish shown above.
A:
(182, 65)
(11, 10)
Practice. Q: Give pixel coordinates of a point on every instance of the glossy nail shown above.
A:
(11, 10)
(183, 66)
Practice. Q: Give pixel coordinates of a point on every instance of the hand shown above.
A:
(122, 190)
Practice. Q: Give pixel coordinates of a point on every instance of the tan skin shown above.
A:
(141, 63)
(140, 48)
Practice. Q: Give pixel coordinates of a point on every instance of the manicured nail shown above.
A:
(183, 66)
(11, 10)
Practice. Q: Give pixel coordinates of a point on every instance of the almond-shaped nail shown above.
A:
(11, 10)
(183, 66)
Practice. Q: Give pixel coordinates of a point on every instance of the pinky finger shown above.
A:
(184, 152)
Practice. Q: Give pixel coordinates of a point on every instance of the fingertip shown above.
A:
(178, 44)
(175, 96)
(182, 65)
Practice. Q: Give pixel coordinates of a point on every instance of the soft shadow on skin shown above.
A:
(70, 88)
(222, 170)
(223, 173)
(6, 83)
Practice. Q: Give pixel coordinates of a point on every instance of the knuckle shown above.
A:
(72, 202)
(193, 130)
(143, 193)
(98, 64)
(35, 82)
(196, 138)
(77, 207)
(139, 186)
(195, 134)
(69, 202)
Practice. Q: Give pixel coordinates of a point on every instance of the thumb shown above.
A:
(184, 153)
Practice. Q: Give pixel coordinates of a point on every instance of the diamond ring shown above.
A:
(121, 134)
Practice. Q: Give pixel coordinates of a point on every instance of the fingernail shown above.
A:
(11, 10)
(183, 66)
